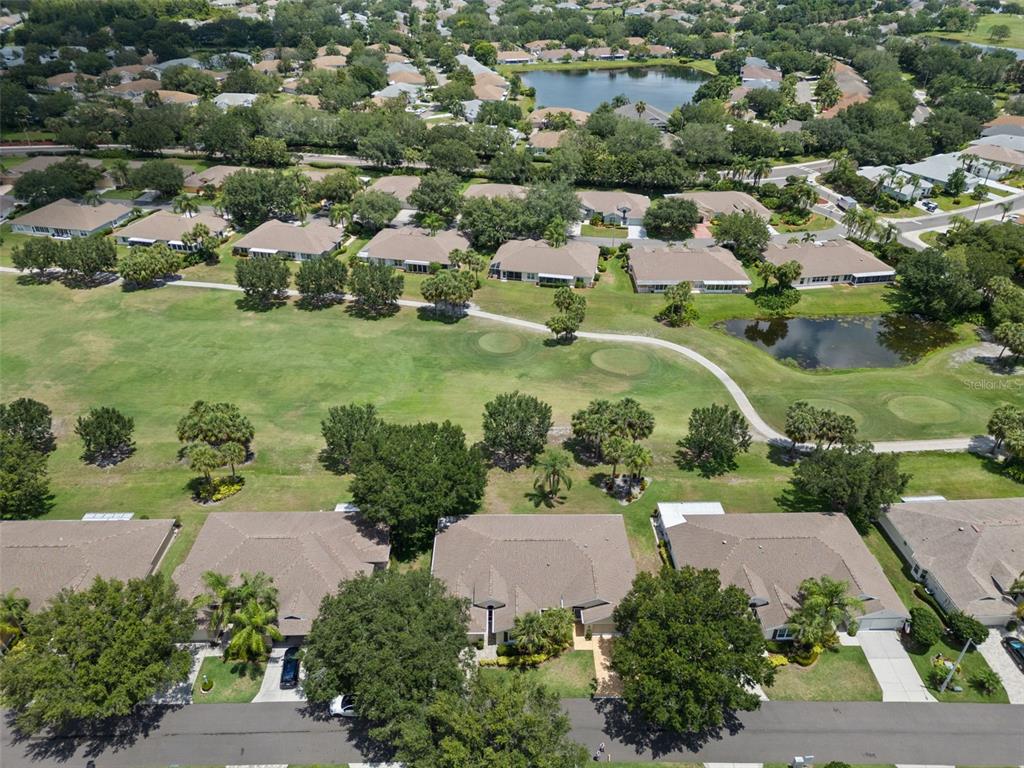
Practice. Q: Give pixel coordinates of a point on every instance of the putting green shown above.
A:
(622, 361)
(837, 406)
(918, 409)
(501, 343)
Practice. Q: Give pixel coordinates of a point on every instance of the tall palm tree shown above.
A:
(1004, 209)
(300, 208)
(221, 599)
(119, 172)
(640, 107)
(808, 237)
(186, 205)
(528, 633)
(615, 449)
(233, 453)
(92, 197)
(554, 233)
(254, 632)
(840, 160)
(258, 587)
(432, 222)
(824, 605)
(759, 169)
(553, 472)
(13, 615)
(637, 458)
(339, 213)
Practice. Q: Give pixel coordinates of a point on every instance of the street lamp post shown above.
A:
(968, 644)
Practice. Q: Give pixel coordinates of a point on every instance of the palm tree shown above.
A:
(432, 222)
(339, 213)
(254, 632)
(554, 234)
(552, 472)
(759, 169)
(222, 599)
(186, 205)
(824, 605)
(13, 614)
(615, 449)
(640, 107)
(637, 458)
(300, 208)
(204, 458)
(840, 159)
(258, 587)
(92, 197)
(1004, 209)
(528, 633)
(808, 237)
(119, 172)
(233, 453)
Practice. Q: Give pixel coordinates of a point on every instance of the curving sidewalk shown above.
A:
(760, 429)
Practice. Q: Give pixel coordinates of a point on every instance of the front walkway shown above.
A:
(182, 692)
(997, 657)
(892, 666)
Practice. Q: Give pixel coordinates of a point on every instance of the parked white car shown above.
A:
(344, 706)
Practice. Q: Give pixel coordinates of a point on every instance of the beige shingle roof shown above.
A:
(611, 202)
(166, 226)
(522, 563)
(972, 548)
(42, 557)
(399, 186)
(576, 258)
(68, 215)
(834, 257)
(540, 116)
(768, 555)
(495, 190)
(714, 203)
(411, 244)
(214, 175)
(317, 237)
(674, 265)
(307, 553)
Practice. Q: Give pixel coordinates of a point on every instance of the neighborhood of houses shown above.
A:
(966, 553)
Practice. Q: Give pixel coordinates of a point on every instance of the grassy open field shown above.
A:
(983, 32)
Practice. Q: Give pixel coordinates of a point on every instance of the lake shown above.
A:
(1019, 53)
(882, 341)
(663, 87)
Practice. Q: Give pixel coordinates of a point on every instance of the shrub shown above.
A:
(964, 627)
(852, 627)
(986, 681)
(528, 660)
(218, 489)
(925, 627)
(777, 660)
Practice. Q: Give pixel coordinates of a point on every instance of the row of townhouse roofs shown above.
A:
(997, 154)
(968, 553)
(653, 266)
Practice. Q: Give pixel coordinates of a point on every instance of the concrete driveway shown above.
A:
(893, 668)
(997, 657)
(270, 688)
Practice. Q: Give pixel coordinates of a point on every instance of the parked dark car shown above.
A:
(1015, 648)
(290, 669)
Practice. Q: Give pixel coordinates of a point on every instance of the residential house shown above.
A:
(177, 97)
(64, 219)
(133, 89)
(212, 177)
(411, 249)
(169, 229)
(510, 565)
(713, 204)
(708, 270)
(40, 558)
(646, 113)
(967, 552)
(490, 190)
(1004, 125)
(619, 208)
(607, 54)
(228, 100)
(831, 262)
(992, 161)
(558, 54)
(896, 184)
(271, 66)
(68, 81)
(514, 57)
(536, 46)
(410, 94)
(540, 118)
(758, 73)
(401, 187)
(307, 554)
(938, 168)
(534, 261)
(769, 555)
(290, 241)
(42, 162)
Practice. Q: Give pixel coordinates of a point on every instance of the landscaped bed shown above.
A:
(234, 682)
(840, 674)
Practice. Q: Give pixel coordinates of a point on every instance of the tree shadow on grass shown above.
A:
(431, 315)
(539, 498)
(632, 729)
(780, 453)
(307, 304)
(559, 342)
(363, 312)
(87, 282)
(251, 304)
(38, 278)
(793, 500)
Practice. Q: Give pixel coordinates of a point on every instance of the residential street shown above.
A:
(862, 732)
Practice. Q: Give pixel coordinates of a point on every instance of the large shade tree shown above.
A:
(98, 653)
(689, 650)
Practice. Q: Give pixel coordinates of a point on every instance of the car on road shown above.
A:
(290, 669)
(344, 706)
(930, 207)
(1015, 648)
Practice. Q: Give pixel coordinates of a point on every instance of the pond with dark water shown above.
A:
(663, 87)
(882, 341)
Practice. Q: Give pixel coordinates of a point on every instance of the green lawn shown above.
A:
(589, 230)
(569, 675)
(839, 674)
(815, 223)
(233, 682)
(930, 238)
(982, 33)
(947, 203)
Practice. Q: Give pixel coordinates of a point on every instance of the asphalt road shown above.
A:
(861, 732)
